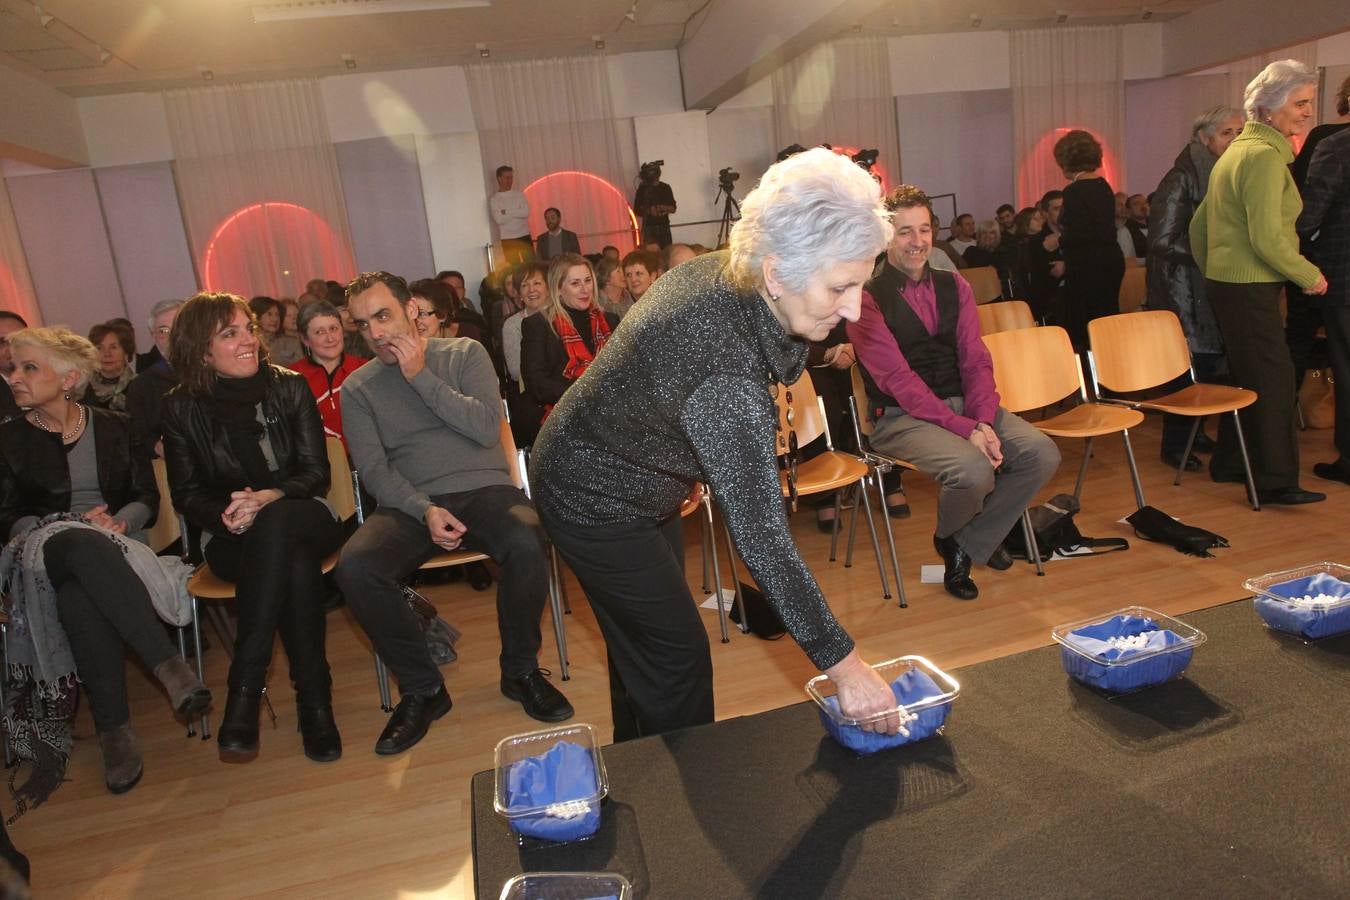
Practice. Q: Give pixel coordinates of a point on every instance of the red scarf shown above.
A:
(579, 356)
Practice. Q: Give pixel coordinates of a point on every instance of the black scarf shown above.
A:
(234, 403)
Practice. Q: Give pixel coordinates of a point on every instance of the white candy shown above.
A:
(1309, 600)
(568, 810)
(1129, 642)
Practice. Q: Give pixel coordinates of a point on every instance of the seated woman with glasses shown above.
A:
(562, 340)
(248, 465)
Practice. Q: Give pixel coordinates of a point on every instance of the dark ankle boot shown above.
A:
(238, 735)
(318, 732)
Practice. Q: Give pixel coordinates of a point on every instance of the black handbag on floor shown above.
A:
(1052, 522)
(761, 618)
(1153, 524)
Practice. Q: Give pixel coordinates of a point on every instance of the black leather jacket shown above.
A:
(203, 470)
(35, 475)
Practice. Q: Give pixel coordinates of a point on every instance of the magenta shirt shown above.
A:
(876, 348)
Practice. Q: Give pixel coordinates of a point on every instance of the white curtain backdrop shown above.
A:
(16, 285)
(1242, 71)
(1065, 78)
(839, 93)
(258, 182)
(549, 116)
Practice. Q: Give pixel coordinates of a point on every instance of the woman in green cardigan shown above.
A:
(1243, 239)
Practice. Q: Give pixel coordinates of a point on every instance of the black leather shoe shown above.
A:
(897, 510)
(1204, 443)
(319, 733)
(411, 719)
(538, 696)
(999, 560)
(1334, 471)
(1173, 461)
(237, 738)
(956, 579)
(1290, 496)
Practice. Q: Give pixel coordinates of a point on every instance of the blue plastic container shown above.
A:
(1089, 656)
(549, 783)
(923, 698)
(1279, 601)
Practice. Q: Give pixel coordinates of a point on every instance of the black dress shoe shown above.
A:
(319, 733)
(897, 510)
(956, 579)
(1333, 471)
(999, 560)
(1204, 443)
(410, 720)
(1173, 461)
(1290, 496)
(237, 738)
(540, 698)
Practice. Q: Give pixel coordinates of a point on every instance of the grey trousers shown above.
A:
(976, 504)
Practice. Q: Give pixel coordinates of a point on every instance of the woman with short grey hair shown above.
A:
(683, 394)
(1243, 240)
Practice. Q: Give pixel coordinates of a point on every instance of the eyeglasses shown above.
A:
(426, 314)
(163, 330)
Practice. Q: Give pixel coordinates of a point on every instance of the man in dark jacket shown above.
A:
(556, 240)
(1325, 226)
(145, 394)
(1174, 281)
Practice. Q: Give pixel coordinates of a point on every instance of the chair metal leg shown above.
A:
(852, 534)
(708, 527)
(201, 669)
(4, 684)
(1134, 469)
(556, 610)
(1029, 535)
(562, 585)
(1246, 464)
(181, 630)
(890, 537)
(731, 558)
(382, 681)
(876, 546)
(705, 535)
(1186, 454)
(1082, 469)
(834, 526)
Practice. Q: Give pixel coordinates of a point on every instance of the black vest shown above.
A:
(932, 356)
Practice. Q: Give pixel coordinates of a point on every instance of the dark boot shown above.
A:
(956, 575)
(238, 735)
(187, 695)
(122, 766)
(319, 732)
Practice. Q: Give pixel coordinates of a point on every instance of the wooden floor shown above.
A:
(371, 827)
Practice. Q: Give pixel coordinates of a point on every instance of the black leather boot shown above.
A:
(238, 734)
(956, 574)
(319, 732)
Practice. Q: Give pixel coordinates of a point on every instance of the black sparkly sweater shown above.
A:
(680, 394)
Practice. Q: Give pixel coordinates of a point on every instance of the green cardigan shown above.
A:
(1243, 231)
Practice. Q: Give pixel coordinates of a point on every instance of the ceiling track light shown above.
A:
(976, 20)
(1145, 14)
(483, 50)
(349, 61)
(1061, 17)
(207, 74)
(598, 41)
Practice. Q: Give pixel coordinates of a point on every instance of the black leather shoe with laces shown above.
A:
(956, 577)
(540, 698)
(410, 720)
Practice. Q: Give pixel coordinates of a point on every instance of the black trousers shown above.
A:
(500, 522)
(103, 604)
(279, 588)
(1338, 348)
(1258, 359)
(660, 668)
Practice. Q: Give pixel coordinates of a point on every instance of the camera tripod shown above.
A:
(731, 211)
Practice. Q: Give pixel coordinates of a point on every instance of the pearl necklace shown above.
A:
(41, 422)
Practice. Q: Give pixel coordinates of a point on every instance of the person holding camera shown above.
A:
(654, 202)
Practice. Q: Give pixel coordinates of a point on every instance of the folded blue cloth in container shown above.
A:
(909, 688)
(1121, 675)
(564, 781)
(1312, 623)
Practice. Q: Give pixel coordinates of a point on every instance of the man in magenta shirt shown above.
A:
(930, 386)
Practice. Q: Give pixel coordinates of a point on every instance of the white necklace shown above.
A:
(41, 421)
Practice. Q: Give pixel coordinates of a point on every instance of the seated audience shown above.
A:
(555, 240)
(290, 317)
(352, 342)
(609, 251)
(282, 349)
(613, 291)
(640, 269)
(78, 492)
(424, 430)
(436, 310)
(247, 464)
(558, 344)
(943, 255)
(930, 378)
(1136, 222)
(676, 254)
(10, 322)
(1045, 260)
(116, 346)
(1005, 215)
(325, 365)
(962, 233)
(1124, 239)
(145, 393)
(525, 411)
(982, 251)
(1093, 266)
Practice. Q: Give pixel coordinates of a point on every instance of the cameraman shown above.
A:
(654, 202)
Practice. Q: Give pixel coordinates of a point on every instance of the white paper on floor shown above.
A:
(728, 597)
(931, 574)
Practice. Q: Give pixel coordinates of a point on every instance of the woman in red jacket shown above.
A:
(325, 366)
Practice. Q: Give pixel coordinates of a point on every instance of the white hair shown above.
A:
(160, 309)
(809, 211)
(1271, 89)
(1206, 125)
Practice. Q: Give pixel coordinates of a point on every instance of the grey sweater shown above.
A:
(437, 434)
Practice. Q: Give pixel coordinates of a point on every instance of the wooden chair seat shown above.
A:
(693, 502)
(1202, 400)
(448, 558)
(1090, 420)
(829, 471)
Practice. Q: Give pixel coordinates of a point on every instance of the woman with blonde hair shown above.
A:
(559, 343)
(76, 493)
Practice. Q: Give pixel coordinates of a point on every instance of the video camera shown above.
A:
(726, 179)
(651, 171)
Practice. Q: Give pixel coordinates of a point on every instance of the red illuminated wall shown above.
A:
(1040, 173)
(273, 248)
(589, 205)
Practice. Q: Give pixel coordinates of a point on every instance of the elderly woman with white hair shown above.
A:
(1243, 240)
(683, 394)
(1174, 279)
(76, 489)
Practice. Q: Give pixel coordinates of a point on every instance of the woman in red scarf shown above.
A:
(558, 343)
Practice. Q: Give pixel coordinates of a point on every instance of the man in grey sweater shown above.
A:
(423, 424)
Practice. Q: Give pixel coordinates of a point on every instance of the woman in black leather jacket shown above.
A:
(247, 464)
(63, 456)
